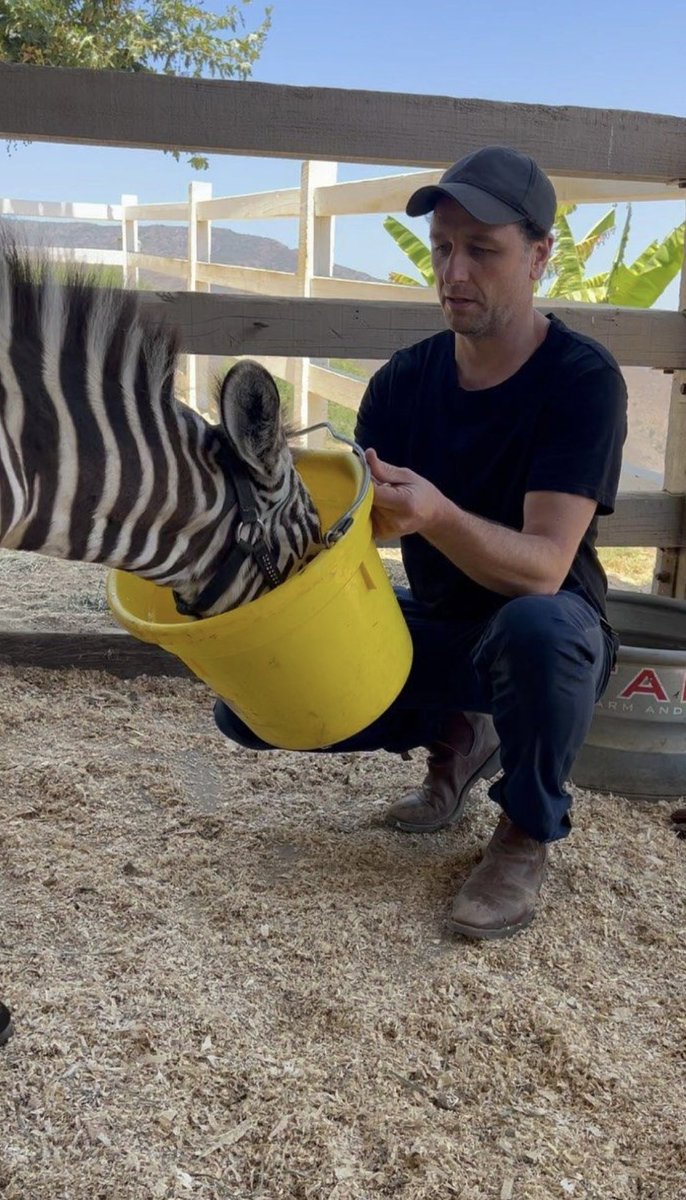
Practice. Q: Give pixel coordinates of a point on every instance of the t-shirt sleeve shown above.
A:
(367, 417)
(581, 434)
(374, 426)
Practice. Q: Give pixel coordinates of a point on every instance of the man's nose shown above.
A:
(457, 267)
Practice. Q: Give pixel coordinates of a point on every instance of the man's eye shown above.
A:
(442, 248)
(481, 250)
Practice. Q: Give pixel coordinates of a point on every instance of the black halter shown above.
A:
(250, 542)
(257, 547)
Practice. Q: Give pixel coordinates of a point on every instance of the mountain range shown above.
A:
(169, 241)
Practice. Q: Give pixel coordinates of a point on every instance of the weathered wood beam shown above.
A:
(640, 519)
(645, 519)
(111, 108)
(263, 325)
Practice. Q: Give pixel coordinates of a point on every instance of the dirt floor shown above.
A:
(230, 980)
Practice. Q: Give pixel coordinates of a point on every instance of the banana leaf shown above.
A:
(588, 293)
(565, 260)
(618, 263)
(406, 280)
(413, 247)
(596, 235)
(640, 285)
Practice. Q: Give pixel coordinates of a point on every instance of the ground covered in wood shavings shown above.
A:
(230, 980)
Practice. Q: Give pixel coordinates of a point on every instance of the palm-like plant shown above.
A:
(637, 285)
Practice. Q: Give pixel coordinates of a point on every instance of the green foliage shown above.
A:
(343, 419)
(414, 248)
(636, 286)
(346, 366)
(172, 37)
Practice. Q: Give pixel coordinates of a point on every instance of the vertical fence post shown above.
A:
(670, 568)
(315, 257)
(129, 243)
(199, 250)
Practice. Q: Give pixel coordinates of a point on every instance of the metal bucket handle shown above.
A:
(341, 526)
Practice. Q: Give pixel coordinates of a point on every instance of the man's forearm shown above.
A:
(504, 560)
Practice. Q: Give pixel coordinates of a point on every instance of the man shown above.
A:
(493, 446)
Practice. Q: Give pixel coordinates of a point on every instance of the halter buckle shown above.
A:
(244, 533)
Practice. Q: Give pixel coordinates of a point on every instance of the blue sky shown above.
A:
(617, 54)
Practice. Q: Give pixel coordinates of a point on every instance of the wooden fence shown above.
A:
(591, 155)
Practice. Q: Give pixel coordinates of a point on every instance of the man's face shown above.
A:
(484, 273)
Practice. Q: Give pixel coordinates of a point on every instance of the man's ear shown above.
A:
(250, 412)
(540, 257)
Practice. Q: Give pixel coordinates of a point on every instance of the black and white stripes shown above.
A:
(99, 462)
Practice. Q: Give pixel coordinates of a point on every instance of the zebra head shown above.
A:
(100, 462)
(273, 527)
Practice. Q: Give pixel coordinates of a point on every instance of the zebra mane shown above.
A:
(106, 317)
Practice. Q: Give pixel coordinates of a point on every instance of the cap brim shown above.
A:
(479, 204)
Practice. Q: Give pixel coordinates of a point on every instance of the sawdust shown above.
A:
(230, 980)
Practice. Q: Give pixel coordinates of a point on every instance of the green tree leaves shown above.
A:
(171, 37)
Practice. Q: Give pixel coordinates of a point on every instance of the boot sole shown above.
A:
(489, 935)
(486, 771)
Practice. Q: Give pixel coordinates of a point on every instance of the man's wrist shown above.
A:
(443, 522)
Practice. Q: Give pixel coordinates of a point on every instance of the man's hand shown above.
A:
(532, 561)
(403, 501)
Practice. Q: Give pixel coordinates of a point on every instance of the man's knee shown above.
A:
(532, 631)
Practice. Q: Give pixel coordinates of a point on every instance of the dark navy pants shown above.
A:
(538, 665)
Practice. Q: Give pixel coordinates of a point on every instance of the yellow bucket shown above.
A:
(315, 660)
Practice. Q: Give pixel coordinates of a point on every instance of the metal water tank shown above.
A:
(636, 746)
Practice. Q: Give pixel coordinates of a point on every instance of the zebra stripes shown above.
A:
(99, 462)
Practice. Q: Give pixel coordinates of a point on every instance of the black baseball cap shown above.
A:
(497, 185)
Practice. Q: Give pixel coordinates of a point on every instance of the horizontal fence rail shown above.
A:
(645, 519)
(390, 193)
(110, 108)
(263, 325)
(58, 209)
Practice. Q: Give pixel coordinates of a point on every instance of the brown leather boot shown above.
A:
(468, 752)
(499, 897)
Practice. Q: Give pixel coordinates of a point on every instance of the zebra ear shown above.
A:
(250, 412)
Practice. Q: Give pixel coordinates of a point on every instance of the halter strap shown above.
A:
(250, 542)
(258, 548)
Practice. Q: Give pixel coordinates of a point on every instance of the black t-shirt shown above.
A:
(558, 424)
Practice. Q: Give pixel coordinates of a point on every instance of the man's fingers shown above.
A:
(387, 496)
(383, 472)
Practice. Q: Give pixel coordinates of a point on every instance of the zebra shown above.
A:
(99, 462)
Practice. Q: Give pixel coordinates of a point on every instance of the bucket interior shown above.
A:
(332, 477)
